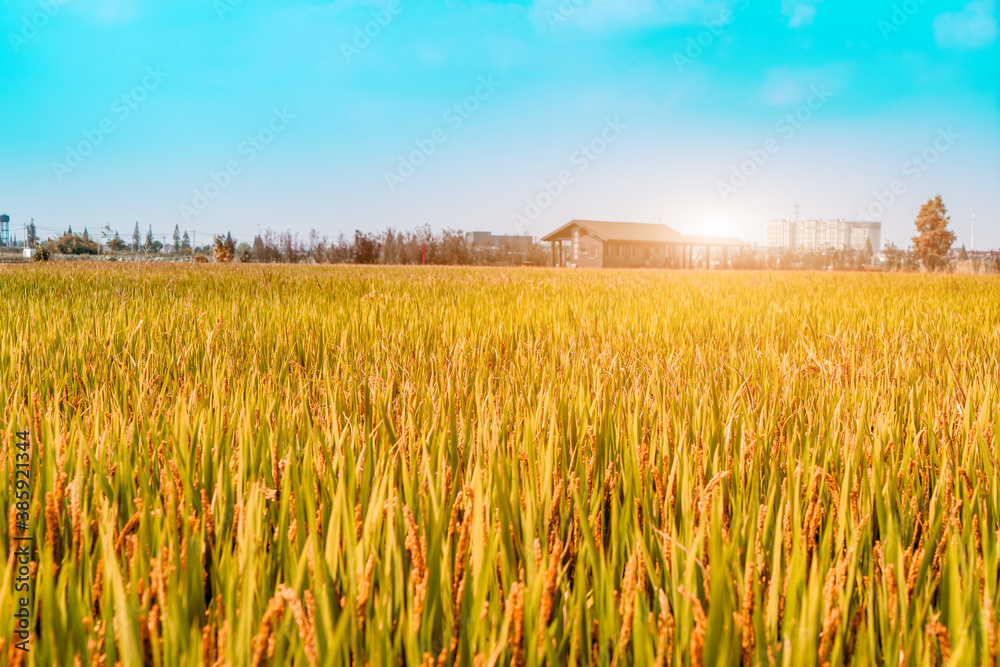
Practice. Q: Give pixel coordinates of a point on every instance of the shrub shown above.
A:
(74, 244)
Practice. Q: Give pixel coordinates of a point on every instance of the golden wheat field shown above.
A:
(250, 465)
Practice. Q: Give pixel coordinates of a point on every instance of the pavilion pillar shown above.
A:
(725, 257)
(553, 253)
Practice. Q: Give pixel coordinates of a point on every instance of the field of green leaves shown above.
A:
(253, 465)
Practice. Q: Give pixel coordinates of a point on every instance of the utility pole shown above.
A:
(792, 231)
(973, 231)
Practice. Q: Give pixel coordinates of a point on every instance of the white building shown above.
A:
(819, 235)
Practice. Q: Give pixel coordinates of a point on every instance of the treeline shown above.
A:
(892, 258)
(421, 246)
(835, 260)
(909, 259)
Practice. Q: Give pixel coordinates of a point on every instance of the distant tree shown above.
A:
(32, 235)
(451, 248)
(223, 250)
(390, 250)
(963, 256)
(86, 235)
(244, 253)
(70, 230)
(319, 247)
(993, 262)
(41, 254)
(177, 238)
(116, 244)
(341, 252)
(186, 243)
(366, 248)
(892, 256)
(148, 245)
(107, 234)
(290, 249)
(934, 240)
(73, 244)
(136, 238)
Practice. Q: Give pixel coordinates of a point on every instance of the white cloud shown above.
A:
(974, 27)
(800, 13)
(610, 14)
(787, 87)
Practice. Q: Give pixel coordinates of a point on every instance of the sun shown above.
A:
(719, 227)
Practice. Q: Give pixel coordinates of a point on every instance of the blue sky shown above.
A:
(505, 116)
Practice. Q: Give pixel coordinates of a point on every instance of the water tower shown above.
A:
(4, 230)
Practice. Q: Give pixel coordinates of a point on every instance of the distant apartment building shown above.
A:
(489, 241)
(812, 235)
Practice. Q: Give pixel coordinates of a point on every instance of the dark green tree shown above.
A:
(116, 244)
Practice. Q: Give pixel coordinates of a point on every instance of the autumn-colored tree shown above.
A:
(933, 241)
(224, 249)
